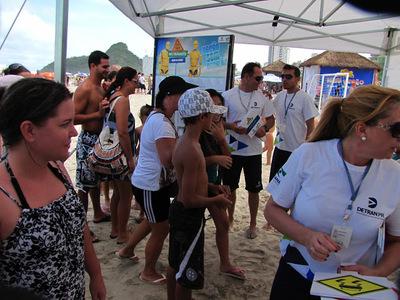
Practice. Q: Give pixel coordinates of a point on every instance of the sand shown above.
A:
(259, 257)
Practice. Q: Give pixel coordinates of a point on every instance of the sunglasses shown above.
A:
(259, 78)
(394, 129)
(286, 76)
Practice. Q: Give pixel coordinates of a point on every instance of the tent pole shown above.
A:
(60, 48)
(12, 25)
(346, 86)
(385, 67)
(321, 92)
(387, 57)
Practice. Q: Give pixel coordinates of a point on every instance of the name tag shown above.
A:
(282, 127)
(342, 235)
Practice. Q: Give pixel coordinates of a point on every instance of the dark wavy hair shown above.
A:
(29, 99)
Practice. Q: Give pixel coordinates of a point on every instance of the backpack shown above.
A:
(107, 156)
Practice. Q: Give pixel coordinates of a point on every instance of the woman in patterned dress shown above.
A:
(45, 244)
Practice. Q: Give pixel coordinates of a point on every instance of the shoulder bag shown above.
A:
(107, 156)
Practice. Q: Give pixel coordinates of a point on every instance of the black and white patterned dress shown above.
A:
(45, 253)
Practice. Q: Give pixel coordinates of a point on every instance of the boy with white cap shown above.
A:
(186, 218)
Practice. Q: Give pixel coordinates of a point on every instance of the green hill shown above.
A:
(119, 55)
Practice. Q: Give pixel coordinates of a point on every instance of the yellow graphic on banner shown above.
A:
(352, 285)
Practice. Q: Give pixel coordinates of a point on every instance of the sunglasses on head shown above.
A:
(286, 76)
(259, 78)
(394, 129)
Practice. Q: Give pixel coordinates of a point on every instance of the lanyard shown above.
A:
(290, 102)
(354, 192)
(241, 102)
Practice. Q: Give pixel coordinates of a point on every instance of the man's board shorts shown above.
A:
(85, 177)
(186, 245)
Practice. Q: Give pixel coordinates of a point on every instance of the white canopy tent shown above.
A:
(313, 24)
(272, 78)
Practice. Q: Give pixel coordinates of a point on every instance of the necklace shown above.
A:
(241, 101)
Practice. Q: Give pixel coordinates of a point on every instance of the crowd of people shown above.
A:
(332, 185)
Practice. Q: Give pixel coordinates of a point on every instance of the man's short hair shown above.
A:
(249, 68)
(96, 56)
(291, 67)
(15, 69)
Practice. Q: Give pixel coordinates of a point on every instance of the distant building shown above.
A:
(147, 65)
(362, 71)
(278, 53)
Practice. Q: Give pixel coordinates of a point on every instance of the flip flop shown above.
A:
(251, 234)
(158, 281)
(113, 236)
(134, 258)
(106, 218)
(235, 272)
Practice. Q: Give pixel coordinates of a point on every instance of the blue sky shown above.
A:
(92, 25)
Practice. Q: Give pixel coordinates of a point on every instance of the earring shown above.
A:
(363, 138)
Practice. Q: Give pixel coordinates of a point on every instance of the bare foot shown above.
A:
(126, 252)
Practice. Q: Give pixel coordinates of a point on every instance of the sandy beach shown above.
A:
(259, 257)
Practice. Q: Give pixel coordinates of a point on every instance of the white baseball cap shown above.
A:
(196, 101)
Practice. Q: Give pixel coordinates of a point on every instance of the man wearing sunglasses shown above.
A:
(247, 150)
(294, 114)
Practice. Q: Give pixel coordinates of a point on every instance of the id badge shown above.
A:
(341, 235)
(282, 128)
(380, 243)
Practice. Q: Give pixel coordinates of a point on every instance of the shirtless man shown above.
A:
(89, 111)
(186, 241)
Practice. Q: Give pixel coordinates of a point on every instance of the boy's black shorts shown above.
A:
(186, 245)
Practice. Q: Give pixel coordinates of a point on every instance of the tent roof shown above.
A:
(314, 24)
(340, 59)
(275, 67)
